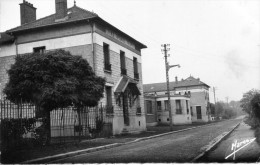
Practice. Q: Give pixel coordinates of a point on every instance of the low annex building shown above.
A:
(190, 95)
(111, 53)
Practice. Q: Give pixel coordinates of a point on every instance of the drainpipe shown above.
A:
(92, 45)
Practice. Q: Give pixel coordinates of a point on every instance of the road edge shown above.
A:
(214, 144)
(89, 150)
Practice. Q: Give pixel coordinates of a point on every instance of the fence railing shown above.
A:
(20, 122)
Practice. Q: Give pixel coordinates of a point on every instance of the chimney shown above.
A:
(61, 8)
(27, 12)
(176, 79)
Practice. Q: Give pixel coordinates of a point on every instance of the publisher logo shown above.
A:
(236, 146)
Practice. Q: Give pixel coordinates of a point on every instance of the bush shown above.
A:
(12, 131)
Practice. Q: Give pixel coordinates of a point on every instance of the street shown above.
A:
(176, 147)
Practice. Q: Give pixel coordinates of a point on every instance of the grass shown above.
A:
(54, 149)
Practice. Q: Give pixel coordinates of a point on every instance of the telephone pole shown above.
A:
(167, 68)
(214, 90)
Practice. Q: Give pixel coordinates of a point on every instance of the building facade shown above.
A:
(111, 53)
(157, 112)
(197, 91)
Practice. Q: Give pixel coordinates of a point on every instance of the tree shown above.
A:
(219, 109)
(54, 79)
(212, 109)
(245, 101)
(255, 103)
(250, 104)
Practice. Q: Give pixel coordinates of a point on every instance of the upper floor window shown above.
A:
(40, 49)
(159, 105)
(178, 107)
(136, 74)
(107, 64)
(122, 63)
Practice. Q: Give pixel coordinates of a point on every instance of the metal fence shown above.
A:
(20, 122)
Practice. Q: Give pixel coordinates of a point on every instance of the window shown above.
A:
(39, 49)
(109, 96)
(178, 107)
(122, 63)
(136, 74)
(166, 105)
(159, 105)
(106, 57)
(149, 109)
(191, 112)
(187, 105)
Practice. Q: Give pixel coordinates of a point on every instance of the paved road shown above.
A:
(177, 147)
(247, 149)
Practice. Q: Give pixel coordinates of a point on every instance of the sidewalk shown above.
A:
(93, 144)
(239, 146)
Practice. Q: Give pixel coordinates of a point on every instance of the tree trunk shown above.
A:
(47, 134)
(78, 111)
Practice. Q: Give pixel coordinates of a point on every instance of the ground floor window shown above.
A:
(187, 106)
(166, 105)
(149, 109)
(178, 107)
(159, 105)
(109, 96)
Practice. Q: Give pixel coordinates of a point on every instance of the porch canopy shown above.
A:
(125, 82)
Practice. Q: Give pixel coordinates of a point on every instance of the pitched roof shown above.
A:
(75, 14)
(5, 38)
(157, 87)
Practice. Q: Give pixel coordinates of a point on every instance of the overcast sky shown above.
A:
(215, 40)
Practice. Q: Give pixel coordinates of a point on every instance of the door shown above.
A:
(198, 110)
(125, 109)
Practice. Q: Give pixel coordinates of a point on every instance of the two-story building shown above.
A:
(198, 96)
(110, 52)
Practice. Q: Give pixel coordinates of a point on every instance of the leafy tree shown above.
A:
(219, 109)
(55, 79)
(250, 104)
(255, 103)
(229, 112)
(245, 101)
(212, 109)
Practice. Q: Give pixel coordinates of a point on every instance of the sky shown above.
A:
(217, 41)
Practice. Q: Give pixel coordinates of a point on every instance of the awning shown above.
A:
(125, 82)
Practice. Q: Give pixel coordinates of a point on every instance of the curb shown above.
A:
(79, 152)
(69, 154)
(225, 134)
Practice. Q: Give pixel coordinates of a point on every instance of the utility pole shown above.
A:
(167, 68)
(214, 91)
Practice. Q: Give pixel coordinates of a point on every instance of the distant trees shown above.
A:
(223, 110)
(55, 79)
(250, 103)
